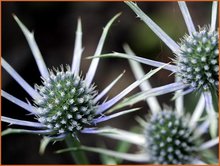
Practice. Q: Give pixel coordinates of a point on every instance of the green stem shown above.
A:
(78, 156)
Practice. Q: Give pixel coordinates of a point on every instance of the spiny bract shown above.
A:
(67, 103)
(198, 61)
(169, 139)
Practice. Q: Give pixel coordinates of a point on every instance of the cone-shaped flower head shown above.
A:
(196, 54)
(198, 59)
(169, 139)
(196, 62)
(66, 103)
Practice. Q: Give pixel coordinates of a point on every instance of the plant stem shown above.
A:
(78, 156)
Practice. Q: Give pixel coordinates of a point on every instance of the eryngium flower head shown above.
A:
(169, 139)
(197, 53)
(66, 102)
(196, 59)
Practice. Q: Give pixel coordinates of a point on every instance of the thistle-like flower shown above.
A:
(169, 139)
(66, 102)
(196, 62)
(170, 136)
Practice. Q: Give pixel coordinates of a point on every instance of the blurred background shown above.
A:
(54, 25)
